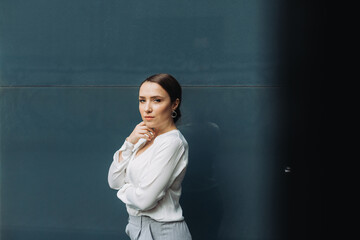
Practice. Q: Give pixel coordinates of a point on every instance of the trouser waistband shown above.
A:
(144, 227)
(140, 220)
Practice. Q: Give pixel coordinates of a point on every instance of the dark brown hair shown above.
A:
(171, 86)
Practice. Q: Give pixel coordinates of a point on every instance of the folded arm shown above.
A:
(157, 178)
(117, 171)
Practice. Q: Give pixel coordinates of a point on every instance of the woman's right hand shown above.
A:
(141, 131)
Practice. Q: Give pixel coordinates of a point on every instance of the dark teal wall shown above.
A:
(69, 76)
(120, 42)
(58, 142)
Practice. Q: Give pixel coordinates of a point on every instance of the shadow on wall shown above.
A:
(201, 200)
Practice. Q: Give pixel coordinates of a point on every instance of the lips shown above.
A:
(148, 117)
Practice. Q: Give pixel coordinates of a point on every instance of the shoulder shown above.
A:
(173, 138)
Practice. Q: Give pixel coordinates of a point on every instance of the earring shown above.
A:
(173, 114)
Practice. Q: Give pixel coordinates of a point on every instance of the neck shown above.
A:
(168, 128)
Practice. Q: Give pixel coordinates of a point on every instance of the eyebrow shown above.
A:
(152, 97)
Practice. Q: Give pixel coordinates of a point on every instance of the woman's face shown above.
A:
(155, 106)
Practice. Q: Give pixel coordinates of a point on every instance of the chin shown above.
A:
(149, 124)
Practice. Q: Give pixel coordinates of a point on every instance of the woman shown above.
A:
(148, 169)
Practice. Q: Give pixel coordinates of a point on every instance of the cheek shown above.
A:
(165, 111)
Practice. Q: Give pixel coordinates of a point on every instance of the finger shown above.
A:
(142, 123)
(147, 136)
(143, 130)
(151, 133)
(147, 133)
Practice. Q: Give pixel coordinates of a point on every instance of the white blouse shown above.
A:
(150, 183)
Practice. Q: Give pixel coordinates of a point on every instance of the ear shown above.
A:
(175, 104)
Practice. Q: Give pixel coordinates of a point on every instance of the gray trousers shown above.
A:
(146, 228)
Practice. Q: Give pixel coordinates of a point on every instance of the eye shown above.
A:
(157, 100)
(141, 100)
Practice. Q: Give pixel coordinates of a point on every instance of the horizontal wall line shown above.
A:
(136, 86)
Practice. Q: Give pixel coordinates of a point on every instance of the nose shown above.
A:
(148, 108)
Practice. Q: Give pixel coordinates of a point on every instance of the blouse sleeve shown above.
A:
(157, 178)
(117, 171)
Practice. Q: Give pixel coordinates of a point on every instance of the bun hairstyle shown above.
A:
(171, 86)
